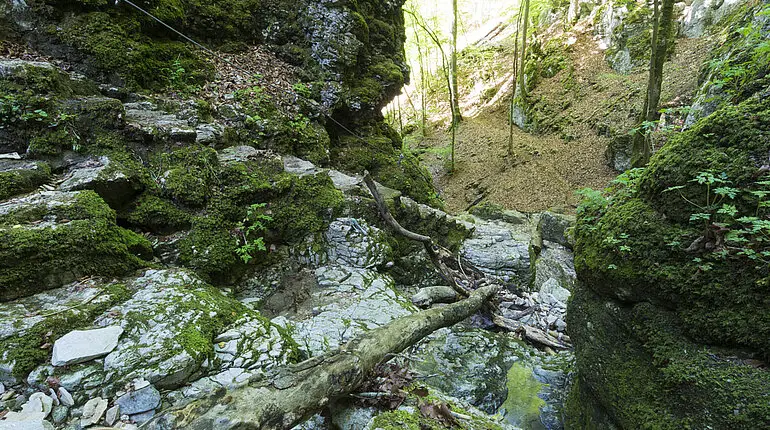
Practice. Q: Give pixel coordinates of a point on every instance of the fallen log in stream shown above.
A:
(293, 393)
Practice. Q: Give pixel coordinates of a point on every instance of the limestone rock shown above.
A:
(149, 122)
(554, 262)
(348, 301)
(355, 243)
(112, 415)
(65, 397)
(299, 167)
(555, 227)
(136, 402)
(103, 176)
(500, 250)
(706, 13)
(252, 343)
(93, 411)
(167, 305)
(474, 364)
(79, 346)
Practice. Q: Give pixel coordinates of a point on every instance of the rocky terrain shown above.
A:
(176, 224)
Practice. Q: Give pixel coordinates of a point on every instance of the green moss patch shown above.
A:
(84, 240)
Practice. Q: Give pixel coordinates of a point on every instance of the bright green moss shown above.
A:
(118, 47)
(670, 353)
(307, 206)
(21, 181)
(397, 420)
(732, 140)
(209, 249)
(189, 174)
(83, 240)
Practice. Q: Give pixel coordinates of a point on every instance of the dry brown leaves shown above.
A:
(438, 411)
(389, 383)
(255, 67)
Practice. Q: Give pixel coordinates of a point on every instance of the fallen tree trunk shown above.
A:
(284, 398)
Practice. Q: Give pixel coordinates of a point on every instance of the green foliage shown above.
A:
(180, 79)
(732, 230)
(249, 242)
(740, 62)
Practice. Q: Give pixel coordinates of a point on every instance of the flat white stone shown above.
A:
(79, 346)
(22, 421)
(93, 411)
(66, 397)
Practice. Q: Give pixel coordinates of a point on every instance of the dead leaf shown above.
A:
(438, 411)
(420, 392)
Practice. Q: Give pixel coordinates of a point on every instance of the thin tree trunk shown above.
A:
(456, 115)
(514, 83)
(662, 27)
(522, 84)
(423, 90)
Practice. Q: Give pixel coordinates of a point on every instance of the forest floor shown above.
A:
(547, 169)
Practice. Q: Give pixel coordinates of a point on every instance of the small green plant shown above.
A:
(249, 242)
(179, 79)
(734, 220)
(302, 90)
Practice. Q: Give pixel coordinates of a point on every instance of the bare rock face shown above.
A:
(79, 346)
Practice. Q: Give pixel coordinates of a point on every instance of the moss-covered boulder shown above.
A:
(17, 176)
(52, 238)
(639, 369)
(670, 323)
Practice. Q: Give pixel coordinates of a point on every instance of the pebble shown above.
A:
(53, 396)
(112, 415)
(65, 397)
(136, 402)
(60, 414)
(79, 346)
(93, 411)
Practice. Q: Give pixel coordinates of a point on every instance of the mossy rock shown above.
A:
(646, 373)
(732, 141)
(120, 52)
(305, 206)
(47, 317)
(21, 177)
(189, 175)
(378, 154)
(157, 215)
(670, 316)
(79, 238)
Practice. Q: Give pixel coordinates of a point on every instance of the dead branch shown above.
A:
(464, 277)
